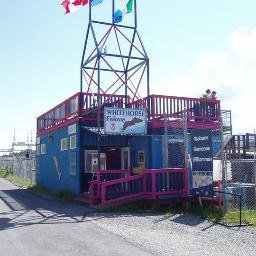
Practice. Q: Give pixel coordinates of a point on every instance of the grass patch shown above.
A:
(14, 179)
(4, 173)
(125, 208)
(61, 194)
(19, 181)
(215, 214)
(233, 217)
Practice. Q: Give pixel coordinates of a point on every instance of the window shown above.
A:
(72, 169)
(43, 149)
(72, 106)
(38, 150)
(141, 157)
(64, 144)
(59, 112)
(73, 142)
(33, 164)
(49, 118)
(40, 123)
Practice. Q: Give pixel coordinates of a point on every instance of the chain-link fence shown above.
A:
(243, 180)
(234, 176)
(20, 166)
(234, 164)
(175, 146)
(231, 214)
(6, 163)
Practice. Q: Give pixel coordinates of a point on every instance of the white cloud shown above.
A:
(232, 74)
(243, 42)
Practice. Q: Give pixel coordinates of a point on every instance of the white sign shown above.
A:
(202, 179)
(125, 121)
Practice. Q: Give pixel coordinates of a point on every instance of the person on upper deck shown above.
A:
(204, 106)
(213, 105)
(207, 94)
(213, 95)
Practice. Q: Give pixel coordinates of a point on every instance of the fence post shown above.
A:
(153, 184)
(144, 183)
(185, 176)
(224, 169)
(187, 158)
(91, 189)
(240, 209)
(103, 195)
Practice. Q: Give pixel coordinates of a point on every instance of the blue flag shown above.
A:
(118, 16)
(95, 2)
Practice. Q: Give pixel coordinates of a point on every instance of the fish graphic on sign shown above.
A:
(134, 121)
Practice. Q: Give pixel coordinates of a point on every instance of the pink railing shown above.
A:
(103, 176)
(120, 189)
(197, 109)
(61, 115)
(70, 110)
(151, 184)
(172, 181)
(90, 101)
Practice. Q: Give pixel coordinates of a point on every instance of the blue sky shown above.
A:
(192, 45)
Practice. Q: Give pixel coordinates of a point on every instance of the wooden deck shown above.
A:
(200, 113)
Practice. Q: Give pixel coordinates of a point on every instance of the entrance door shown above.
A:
(125, 158)
(91, 161)
(90, 166)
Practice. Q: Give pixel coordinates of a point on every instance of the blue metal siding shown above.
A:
(156, 152)
(89, 139)
(47, 173)
(136, 144)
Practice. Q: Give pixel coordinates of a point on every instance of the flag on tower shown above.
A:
(73, 6)
(80, 2)
(95, 2)
(128, 7)
(118, 15)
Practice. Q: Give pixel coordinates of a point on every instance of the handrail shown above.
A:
(102, 176)
(198, 109)
(144, 185)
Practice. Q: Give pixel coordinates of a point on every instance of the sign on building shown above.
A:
(202, 162)
(125, 121)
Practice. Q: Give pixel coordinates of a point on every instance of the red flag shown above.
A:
(71, 6)
(80, 2)
(66, 4)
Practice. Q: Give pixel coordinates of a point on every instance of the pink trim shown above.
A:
(153, 194)
(153, 184)
(185, 181)
(158, 105)
(94, 195)
(112, 172)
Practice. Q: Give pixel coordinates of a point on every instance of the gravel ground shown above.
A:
(178, 235)
(38, 224)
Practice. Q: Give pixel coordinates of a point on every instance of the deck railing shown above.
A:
(61, 115)
(69, 110)
(103, 176)
(151, 184)
(90, 101)
(198, 109)
(75, 107)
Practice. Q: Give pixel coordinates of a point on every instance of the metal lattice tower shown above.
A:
(114, 60)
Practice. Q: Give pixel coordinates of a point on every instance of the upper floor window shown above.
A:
(64, 144)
